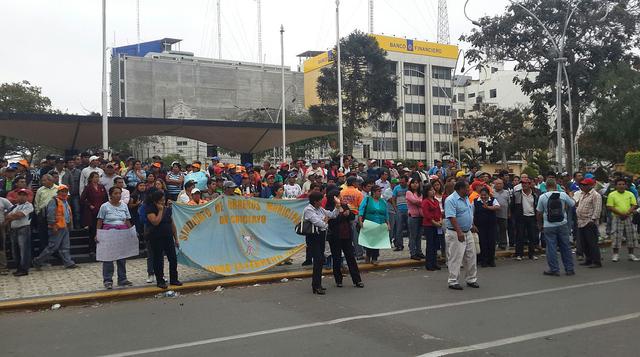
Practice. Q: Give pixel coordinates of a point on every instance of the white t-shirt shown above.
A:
(116, 215)
(527, 205)
(26, 209)
(126, 196)
(292, 191)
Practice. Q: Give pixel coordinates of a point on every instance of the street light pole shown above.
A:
(340, 129)
(284, 135)
(105, 124)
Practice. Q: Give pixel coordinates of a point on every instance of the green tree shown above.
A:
(368, 87)
(598, 34)
(615, 121)
(509, 131)
(23, 97)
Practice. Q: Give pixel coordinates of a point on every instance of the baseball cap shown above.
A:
(195, 190)
(395, 180)
(195, 164)
(229, 184)
(60, 160)
(23, 190)
(24, 163)
(588, 182)
(176, 163)
(92, 158)
(12, 167)
(420, 164)
(460, 173)
(156, 164)
(399, 164)
(340, 174)
(293, 174)
(63, 187)
(588, 175)
(232, 166)
(215, 158)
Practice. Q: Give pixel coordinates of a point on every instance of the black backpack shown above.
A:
(555, 208)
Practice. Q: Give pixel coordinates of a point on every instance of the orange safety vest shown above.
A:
(60, 222)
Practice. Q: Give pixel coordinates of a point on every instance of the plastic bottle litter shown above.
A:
(284, 280)
(255, 285)
(218, 289)
(171, 294)
(55, 306)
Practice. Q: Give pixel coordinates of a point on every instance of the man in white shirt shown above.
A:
(109, 175)
(383, 181)
(126, 195)
(84, 175)
(291, 188)
(19, 220)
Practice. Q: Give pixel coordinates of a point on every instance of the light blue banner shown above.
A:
(238, 235)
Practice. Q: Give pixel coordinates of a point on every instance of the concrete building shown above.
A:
(424, 90)
(153, 80)
(494, 86)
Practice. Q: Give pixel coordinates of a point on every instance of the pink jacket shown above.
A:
(414, 203)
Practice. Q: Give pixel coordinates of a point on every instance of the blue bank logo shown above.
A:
(409, 45)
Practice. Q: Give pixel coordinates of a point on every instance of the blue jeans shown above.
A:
(21, 247)
(74, 202)
(401, 222)
(58, 242)
(393, 217)
(415, 235)
(107, 271)
(355, 232)
(558, 237)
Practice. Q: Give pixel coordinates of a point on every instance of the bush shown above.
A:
(632, 162)
(532, 172)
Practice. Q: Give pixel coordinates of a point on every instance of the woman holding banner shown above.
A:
(340, 241)
(374, 209)
(114, 214)
(319, 218)
(161, 233)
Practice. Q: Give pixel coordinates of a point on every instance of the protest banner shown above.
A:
(238, 235)
(374, 235)
(114, 244)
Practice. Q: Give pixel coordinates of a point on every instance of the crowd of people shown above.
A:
(463, 215)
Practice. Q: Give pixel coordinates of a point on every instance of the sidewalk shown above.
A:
(88, 278)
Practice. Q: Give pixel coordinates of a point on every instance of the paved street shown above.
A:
(401, 312)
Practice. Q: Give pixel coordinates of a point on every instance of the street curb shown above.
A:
(137, 292)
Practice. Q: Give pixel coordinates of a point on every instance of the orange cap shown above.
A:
(63, 187)
(195, 164)
(156, 164)
(232, 166)
(24, 163)
(220, 164)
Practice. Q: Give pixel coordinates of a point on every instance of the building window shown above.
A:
(387, 126)
(441, 92)
(411, 127)
(366, 150)
(441, 146)
(385, 144)
(392, 66)
(441, 129)
(471, 95)
(461, 97)
(414, 108)
(441, 110)
(441, 72)
(181, 143)
(461, 113)
(493, 93)
(417, 146)
(414, 70)
(414, 89)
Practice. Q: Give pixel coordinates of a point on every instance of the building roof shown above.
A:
(309, 53)
(65, 131)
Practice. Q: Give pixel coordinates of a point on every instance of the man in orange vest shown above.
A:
(59, 218)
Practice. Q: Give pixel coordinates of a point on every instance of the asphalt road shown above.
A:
(403, 312)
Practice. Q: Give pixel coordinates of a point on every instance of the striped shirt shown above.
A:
(174, 189)
(589, 207)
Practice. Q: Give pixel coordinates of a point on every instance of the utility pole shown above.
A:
(370, 16)
(340, 124)
(105, 123)
(138, 25)
(259, 33)
(219, 32)
(284, 135)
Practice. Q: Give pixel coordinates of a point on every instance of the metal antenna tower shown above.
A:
(138, 24)
(370, 16)
(443, 22)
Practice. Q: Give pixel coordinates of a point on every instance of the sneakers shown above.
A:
(151, 278)
(535, 257)
(633, 258)
(615, 258)
(108, 285)
(518, 258)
